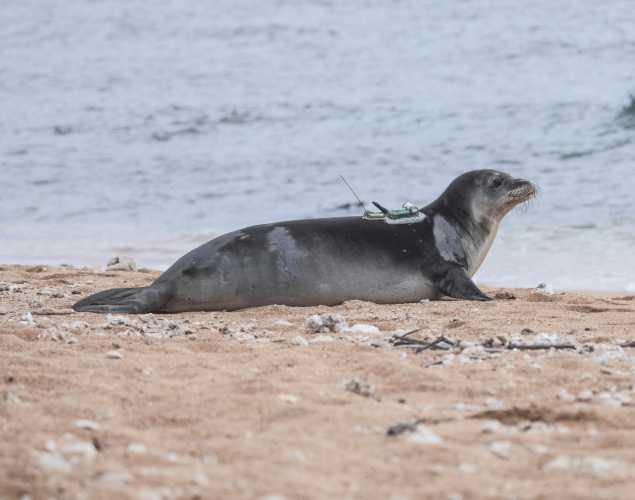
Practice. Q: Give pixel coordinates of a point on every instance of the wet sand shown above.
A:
(523, 397)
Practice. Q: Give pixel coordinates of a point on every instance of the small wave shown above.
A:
(503, 161)
(44, 182)
(164, 135)
(235, 117)
(588, 152)
(627, 115)
(62, 129)
(347, 206)
(576, 154)
(630, 109)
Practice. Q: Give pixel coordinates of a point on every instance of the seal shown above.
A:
(328, 261)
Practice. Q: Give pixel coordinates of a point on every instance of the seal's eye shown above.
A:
(496, 182)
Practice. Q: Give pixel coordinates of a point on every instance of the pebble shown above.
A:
(86, 424)
(201, 479)
(57, 335)
(544, 289)
(466, 468)
(423, 435)
(296, 456)
(121, 264)
(464, 407)
(600, 466)
(27, 319)
(116, 320)
(68, 451)
(10, 397)
(288, 398)
(615, 399)
(300, 340)
(114, 355)
(150, 494)
(321, 323)
(360, 388)
(474, 354)
(605, 353)
(491, 427)
(119, 477)
(12, 287)
(54, 461)
(448, 359)
(494, 404)
(597, 466)
(560, 462)
(363, 328)
(585, 395)
(540, 449)
(282, 322)
(36, 269)
(566, 396)
(51, 292)
(149, 326)
(502, 449)
(137, 448)
(80, 449)
(321, 339)
(78, 325)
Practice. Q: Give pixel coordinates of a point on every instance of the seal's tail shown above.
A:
(125, 300)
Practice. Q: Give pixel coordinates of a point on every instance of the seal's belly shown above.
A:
(381, 286)
(331, 281)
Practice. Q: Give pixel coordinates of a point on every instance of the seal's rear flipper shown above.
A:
(125, 300)
(455, 283)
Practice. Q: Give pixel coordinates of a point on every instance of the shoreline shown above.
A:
(526, 396)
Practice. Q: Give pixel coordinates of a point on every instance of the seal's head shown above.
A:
(467, 215)
(485, 195)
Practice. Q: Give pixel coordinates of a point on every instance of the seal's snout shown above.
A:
(521, 189)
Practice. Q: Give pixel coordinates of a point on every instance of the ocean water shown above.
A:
(146, 127)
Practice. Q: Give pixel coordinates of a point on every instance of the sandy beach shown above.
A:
(528, 396)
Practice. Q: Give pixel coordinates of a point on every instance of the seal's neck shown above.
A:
(461, 238)
(482, 242)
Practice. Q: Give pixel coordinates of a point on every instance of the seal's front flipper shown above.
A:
(455, 283)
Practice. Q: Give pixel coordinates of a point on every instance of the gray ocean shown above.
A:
(146, 127)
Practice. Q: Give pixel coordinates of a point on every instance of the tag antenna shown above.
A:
(354, 193)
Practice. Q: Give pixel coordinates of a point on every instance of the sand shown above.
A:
(252, 404)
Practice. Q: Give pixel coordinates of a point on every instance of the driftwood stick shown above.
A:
(436, 344)
(539, 347)
(422, 345)
(408, 333)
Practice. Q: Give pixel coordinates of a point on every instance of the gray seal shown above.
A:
(328, 261)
